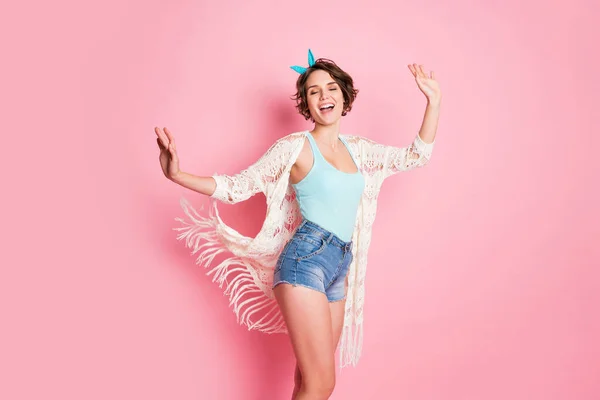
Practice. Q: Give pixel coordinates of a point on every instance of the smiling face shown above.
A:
(324, 98)
(322, 86)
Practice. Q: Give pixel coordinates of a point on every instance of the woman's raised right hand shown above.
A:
(169, 162)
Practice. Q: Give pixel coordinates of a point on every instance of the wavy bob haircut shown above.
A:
(342, 78)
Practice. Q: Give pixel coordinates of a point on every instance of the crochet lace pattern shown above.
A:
(246, 274)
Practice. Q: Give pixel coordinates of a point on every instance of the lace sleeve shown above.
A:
(391, 160)
(232, 189)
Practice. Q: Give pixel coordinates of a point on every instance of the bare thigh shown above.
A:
(337, 310)
(307, 315)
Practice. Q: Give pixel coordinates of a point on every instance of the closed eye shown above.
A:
(333, 88)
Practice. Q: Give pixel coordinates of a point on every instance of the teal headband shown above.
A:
(311, 62)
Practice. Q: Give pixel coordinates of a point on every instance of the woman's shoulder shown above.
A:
(292, 136)
(358, 140)
(288, 142)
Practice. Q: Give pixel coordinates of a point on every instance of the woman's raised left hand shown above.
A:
(427, 83)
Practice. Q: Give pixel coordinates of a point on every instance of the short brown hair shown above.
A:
(340, 76)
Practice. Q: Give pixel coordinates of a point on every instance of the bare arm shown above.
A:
(201, 184)
(229, 189)
(431, 89)
(430, 121)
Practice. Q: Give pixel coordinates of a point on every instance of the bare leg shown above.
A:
(297, 381)
(308, 319)
(337, 310)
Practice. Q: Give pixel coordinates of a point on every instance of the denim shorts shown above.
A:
(317, 259)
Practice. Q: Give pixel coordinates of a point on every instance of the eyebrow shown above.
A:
(332, 82)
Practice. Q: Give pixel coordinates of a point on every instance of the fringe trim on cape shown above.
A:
(350, 346)
(252, 306)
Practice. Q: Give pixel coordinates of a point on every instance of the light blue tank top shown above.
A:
(329, 197)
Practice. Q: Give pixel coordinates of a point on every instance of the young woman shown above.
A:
(309, 259)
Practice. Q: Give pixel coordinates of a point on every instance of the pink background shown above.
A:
(483, 277)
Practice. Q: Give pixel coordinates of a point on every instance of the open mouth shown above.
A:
(327, 107)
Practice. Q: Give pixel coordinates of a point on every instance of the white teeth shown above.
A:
(326, 106)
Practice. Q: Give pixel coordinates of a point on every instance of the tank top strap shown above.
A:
(350, 151)
(315, 149)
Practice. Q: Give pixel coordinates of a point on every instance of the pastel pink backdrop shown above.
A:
(483, 277)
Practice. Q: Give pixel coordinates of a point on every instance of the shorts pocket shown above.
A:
(308, 247)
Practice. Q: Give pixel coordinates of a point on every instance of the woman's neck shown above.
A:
(327, 134)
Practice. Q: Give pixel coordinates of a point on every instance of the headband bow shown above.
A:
(311, 62)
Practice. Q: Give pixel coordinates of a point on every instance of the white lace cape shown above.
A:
(247, 271)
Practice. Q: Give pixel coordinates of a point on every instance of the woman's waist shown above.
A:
(312, 229)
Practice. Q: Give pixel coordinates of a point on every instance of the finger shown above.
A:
(170, 136)
(161, 136)
(432, 76)
(160, 145)
(173, 153)
(172, 150)
(412, 70)
(158, 131)
(420, 71)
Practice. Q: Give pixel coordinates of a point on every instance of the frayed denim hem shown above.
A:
(298, 284)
